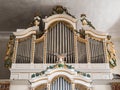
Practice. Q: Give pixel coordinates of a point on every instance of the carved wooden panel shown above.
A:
(4, 85)
(116, 86)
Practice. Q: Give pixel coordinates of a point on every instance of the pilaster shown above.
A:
(45, 47)
(105, 51)
(32, 48)
(75, 47)
(88, 50)
(15, 51)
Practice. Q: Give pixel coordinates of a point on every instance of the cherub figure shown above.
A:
(36, 20)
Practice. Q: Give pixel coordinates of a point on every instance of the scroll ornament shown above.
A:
(61, 10)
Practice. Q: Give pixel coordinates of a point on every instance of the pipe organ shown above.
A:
(59, 57)
(60, 38)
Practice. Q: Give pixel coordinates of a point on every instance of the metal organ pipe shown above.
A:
(97, 51)
(60, 39)
(68, 45)
(52, 57)
(50, 45)
(38, 57)
(102, 51)
(23, 51)
(93, 48)
(82, 55)
(60, 84)
(57, 39)
(53, 44)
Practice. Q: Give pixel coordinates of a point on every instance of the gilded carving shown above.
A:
(111, 55)
(61, 10)
(9, 51)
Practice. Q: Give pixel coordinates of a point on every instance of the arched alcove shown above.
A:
(41, 87)
(61, 83)
(80, 87)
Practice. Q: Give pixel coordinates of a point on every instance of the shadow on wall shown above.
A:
(4, 72)
(115, 29)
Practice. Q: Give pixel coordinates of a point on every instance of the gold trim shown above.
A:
(40, 86)
(81, 39)
(65, 77)
(95, 38)
(81, 86)
(24, 38)
(96, 33)
(4, 83)
(42, 78)
(81, 79)
(68, 25)
(60, 71)
(40, 39)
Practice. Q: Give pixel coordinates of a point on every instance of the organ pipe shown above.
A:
(60, 39)
(38, 58)
(97, 51)
(61, 84)
(24, 51)
(82, 55)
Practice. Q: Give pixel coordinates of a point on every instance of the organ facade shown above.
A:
(59, 56)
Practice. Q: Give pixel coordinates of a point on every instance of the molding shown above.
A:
(49, 77)
(92, 68)
(96, 34)
(60, 17)
(104, 81)
(24, 33)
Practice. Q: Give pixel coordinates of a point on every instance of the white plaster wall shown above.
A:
(19, 87)
(101, 87)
